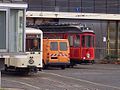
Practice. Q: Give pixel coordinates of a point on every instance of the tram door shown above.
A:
(77, 49)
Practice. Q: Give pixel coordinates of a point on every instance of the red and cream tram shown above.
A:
(81, 40)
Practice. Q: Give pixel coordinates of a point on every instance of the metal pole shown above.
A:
(108, 38)
(117, 39)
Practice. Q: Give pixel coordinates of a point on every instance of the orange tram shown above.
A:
(81, 40)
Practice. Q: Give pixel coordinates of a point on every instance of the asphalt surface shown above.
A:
(81, 77)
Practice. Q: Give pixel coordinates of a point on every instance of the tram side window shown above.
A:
(70, 39)
(77, 41)
(54, 46)
(83, 41)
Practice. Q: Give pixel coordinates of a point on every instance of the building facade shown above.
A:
(84, 6)
(103, 16)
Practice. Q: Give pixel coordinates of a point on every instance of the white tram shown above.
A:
(32, 62)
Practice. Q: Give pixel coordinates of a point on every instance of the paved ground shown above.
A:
(81, 77)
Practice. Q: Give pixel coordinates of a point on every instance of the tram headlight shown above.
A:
(83, 57)
(31, 61)
(88, 55)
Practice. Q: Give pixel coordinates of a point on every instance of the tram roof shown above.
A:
(63, 28)
(33, 31)
(60, 29)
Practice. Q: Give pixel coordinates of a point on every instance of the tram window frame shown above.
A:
(83, 41)
(88, 41)
(71, 40)
(77, 41)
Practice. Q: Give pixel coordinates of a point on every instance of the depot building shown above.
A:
(103, 16)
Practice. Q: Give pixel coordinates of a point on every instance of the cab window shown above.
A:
(53, 46)
(87, 41)
(33, 44)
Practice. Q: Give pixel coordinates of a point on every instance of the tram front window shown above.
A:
(87, 41)
(33, 44)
